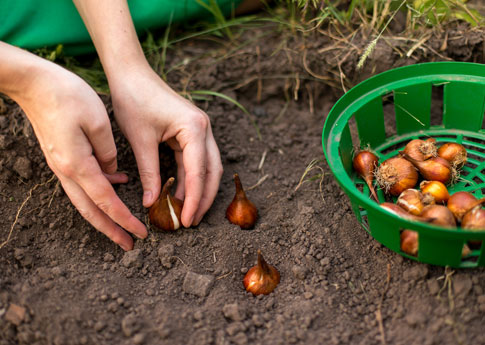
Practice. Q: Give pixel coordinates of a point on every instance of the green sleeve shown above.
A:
(34, 24)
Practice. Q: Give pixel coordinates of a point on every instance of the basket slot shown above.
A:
(370, 123)
(463, 106)
(345, 149)
(439, 251)
(412, 106)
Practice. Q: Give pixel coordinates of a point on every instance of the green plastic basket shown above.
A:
(359, 119)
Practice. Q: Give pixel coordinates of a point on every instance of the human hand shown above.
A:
(74, 132)
(148, 112)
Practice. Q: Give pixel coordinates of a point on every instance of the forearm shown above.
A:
(111, 28)
(18, 69)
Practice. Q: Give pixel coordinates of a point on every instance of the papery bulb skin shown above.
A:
(433, 169)
(462, 202)
(166, 212)
(261, 279)
(241, 211)
(409, 242)
(454, 153)
(436, 189)
(421, 150)
(411, 200)
(440, 214)
(365, 164)
(396, 174)
(474, 219)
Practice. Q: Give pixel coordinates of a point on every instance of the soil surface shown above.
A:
(62, 282)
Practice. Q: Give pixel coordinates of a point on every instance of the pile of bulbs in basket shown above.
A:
(398, 176)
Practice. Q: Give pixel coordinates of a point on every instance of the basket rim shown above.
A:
(379, 85)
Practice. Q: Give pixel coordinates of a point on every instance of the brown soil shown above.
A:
(79, 288)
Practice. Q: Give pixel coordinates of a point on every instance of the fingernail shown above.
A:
(147, 197)
(196, 221)
(124, 247)
(191, 221)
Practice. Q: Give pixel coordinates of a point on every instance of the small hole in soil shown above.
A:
(389, 114)
(436, 105)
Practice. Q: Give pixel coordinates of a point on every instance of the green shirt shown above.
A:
(33, 24)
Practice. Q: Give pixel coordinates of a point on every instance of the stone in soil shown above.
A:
(197, 284)
(166, 255)
(15, 314)
(234, 312)
(462, 285)
(133, 258)
(23, 167)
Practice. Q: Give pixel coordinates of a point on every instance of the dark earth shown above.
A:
(62, 282)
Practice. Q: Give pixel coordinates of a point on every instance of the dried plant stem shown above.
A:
(3, 244)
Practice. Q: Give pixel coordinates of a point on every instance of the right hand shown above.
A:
(74, 131)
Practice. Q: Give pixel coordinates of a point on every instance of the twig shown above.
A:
(379, 307)
(21, 207)
(261, 180)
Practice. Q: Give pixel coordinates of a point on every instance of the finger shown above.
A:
(98, 131)
(95, 216)
(116, 178)
(213, 177)
(180, 191)
(146, 154)
(194, 160)
(100, 191)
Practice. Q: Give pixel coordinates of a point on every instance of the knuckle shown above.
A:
(201, 121)
(86, 214)
(105, 206)
(108, 156)
(65, 166)
(99, 124)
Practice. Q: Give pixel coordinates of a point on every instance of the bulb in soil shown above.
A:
(166, 212)
(395, 175)
(365, 164)
(261, 279)
(241, 211)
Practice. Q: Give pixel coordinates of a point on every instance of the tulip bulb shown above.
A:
(421, 149)
(399, 211)
(409, 242)
(474, 219)
(454, 153)
(166, 212)
(462, 202)
(434, 169)
(436, 189)
(365, 163)
(395, 175)
(241, 211)
(413, 201)
(440, 214)
(261, 279)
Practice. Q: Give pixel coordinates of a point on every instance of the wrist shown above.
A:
(18, 69)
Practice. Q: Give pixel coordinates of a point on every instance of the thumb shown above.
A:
(146, 155)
